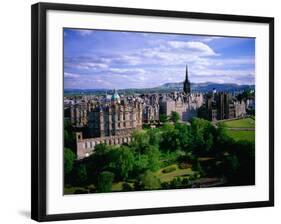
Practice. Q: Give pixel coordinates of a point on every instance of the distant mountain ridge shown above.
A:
(207, 86)
(169, 87)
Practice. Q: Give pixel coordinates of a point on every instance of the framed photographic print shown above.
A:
(139, 111)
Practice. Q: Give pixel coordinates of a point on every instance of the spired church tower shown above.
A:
(186, 84)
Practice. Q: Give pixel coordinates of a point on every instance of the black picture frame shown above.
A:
(38, 108)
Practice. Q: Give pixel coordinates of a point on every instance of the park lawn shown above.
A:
(118, 186)
(115, 187)
(241, 135)
(240, 123)
(165, 177)
(71, 189)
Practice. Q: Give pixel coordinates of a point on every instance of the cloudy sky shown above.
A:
(106, 59)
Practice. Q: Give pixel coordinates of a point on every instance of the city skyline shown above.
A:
(95, 59)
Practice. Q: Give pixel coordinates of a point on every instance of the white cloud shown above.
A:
(158, 63)
(196, 46)
(71, 75)
(233, 61)
(90, 65)
(224, 72)
(127, 70)
(209, 39)
(130, 59)
(84, 32)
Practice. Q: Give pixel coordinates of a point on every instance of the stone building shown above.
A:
(150, 107)
(221, 106)
(85, 147)
(240, 108)
(151, 113)
(79, 114)
(185, 103)
(117, 118)
(110, 123)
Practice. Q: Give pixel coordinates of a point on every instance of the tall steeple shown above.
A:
(186, 84)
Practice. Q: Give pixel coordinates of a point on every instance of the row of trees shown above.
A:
(152, 149)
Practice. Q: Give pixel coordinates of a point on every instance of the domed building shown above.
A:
(111, 123)
(115, 97)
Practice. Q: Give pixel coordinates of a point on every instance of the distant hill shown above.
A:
(207, 86)
(168, 87)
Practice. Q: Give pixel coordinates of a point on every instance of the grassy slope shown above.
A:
(164, 177)
(242, 135)
(241, 123)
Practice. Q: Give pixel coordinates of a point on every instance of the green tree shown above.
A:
(140, 141)
(141, 164)
(203, 112)
(196, 166)
(100, 159)
(126, 187)
(80, 175)
(154, 136)
(170, 140)
(183, 135)
(163, 118)
(245, 153)
(69, 158)
(122, 162)
(202, 136)
(153, 155)
(231, 165)
(175, 117)
(105, 180)
(69, 138)
(221, 140)
(150, 181)
(176, 183)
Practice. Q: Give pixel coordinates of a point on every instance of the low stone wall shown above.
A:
(85, 147)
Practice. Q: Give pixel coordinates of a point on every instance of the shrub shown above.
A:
(165, 185)
(69, 158)
(80, 175)
(138, 186)
(81, 191)
(185, 182)
(92, 188)
(150, 181)
(195, 176)
(176, 183)
(197, 167)
(187, 158)
(126, 187)
(185, 165)
(105, 180)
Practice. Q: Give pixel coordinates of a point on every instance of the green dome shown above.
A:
(115, 96)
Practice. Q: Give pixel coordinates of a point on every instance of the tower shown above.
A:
(115, 97)
(186, 84)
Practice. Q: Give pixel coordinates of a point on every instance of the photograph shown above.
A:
(157, 111)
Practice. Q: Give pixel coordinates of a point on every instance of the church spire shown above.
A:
(186, 84)
(186, 73)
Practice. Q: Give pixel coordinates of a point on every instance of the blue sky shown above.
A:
(95, 59)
